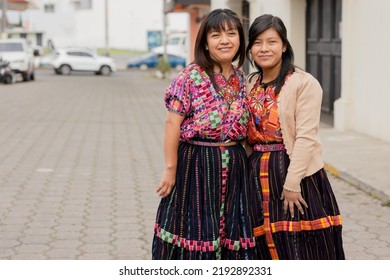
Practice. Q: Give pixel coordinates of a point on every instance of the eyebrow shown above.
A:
(269, 38)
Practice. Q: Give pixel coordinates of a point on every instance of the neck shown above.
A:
(227, 69)
(270, 74)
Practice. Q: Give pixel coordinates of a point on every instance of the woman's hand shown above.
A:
(171, 143)
(167, 182)
(293, 198)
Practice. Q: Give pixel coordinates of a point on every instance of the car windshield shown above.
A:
(11, 47)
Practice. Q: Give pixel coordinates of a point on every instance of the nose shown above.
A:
(264, 47)
(224, 38)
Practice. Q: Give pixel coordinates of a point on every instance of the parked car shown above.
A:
(6, 74)
(177, 44)
(20, 56)
(67, 60)
(151, 60)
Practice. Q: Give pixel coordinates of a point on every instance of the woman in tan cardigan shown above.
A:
(294, 208)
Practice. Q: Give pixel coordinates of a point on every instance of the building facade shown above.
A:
(89, 23)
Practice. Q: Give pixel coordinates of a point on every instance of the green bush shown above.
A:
(163, 66)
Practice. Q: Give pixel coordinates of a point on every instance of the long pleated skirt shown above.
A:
(206, 216)
(314, 235)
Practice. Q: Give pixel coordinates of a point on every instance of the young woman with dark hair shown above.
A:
(295, 210)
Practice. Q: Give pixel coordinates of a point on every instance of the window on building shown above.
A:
(82, 4)
(50, 8)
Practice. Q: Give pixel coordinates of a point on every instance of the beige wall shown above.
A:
(364, 105)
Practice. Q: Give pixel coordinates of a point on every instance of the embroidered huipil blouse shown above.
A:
(209, 114)
(263, 126)
(298, 108)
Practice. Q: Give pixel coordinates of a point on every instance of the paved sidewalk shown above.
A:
(358, 159)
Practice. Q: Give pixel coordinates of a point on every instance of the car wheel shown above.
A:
(65, 69)
(105, 70)
(143, 67)
(25, 76)
(57, 71)
(8, 79)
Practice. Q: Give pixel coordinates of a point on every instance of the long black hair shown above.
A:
(259, 25)
(216, 21)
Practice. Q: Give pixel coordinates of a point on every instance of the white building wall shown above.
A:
(129, 21)
(292, 12)
(365, 95)
(219, 4)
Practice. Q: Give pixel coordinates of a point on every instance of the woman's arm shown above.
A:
(171, 144)
(307, 114)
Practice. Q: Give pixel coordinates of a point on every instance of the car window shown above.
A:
(82, 54)
(11, 47)
(73, 53)
(86, 54)
(173, 41)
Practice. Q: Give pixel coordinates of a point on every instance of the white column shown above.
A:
(218, 4)
(342, 106)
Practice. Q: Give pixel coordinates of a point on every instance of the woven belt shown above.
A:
(212, 144)
(268, 147)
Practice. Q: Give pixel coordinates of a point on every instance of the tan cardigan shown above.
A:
(299, 109)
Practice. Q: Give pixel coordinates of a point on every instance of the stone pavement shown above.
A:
(80, 157)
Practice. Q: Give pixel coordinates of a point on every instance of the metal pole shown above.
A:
(164, 33)
(106, 27)
(4, 17)
(164, 37)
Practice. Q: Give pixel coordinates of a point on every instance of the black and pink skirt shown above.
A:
(206, 216)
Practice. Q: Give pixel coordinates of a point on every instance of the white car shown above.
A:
(20, 56)
(65, 61)
(177, 44)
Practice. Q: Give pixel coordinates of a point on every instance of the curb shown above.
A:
(377, 194)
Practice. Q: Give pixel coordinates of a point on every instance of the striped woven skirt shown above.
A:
(206, 215)
(314, 235)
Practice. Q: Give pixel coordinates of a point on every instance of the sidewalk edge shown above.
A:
(375, 193)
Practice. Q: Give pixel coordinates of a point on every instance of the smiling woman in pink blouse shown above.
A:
(203, 213)
(295, 210)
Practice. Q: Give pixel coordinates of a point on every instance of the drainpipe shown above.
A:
(106, 27)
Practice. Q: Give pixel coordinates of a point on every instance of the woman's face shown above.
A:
(223, 45)
(267, 50)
